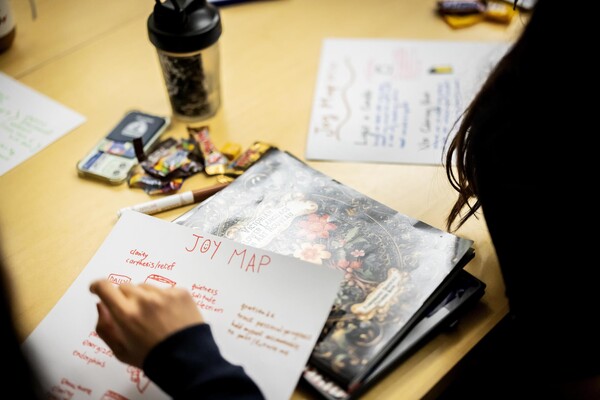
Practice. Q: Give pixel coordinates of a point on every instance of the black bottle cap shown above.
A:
(184, 26)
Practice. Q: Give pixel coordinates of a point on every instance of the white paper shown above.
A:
(29, 121)
(237, 288)
(377, 100)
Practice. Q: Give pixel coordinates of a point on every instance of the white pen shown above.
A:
(175, 200)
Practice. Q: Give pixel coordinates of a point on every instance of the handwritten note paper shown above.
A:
(393, 101)
(266, 310)
(29, 121)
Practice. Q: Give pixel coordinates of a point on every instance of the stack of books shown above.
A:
(404, 279)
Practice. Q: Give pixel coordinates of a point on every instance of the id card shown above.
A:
(112, 159)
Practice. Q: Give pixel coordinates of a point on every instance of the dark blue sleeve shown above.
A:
(189, 365)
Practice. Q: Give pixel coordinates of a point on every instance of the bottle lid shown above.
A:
(184, 26)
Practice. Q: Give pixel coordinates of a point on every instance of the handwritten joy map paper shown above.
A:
(29, 121)
(393, 101)
(266, 310)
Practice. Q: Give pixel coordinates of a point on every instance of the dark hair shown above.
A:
(21, 375)
(494, 100)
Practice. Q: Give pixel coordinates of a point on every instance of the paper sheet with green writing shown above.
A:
(29, 121)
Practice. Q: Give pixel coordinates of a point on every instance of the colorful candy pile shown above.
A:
(464, 13)
(172, 161)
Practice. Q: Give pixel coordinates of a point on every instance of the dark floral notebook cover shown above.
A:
(393, 264)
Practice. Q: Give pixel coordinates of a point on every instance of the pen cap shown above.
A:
(184, 26)
(186, 35)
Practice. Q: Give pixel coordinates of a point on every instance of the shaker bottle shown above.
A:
(185, 34)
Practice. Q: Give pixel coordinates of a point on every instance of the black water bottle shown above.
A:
(186, 36)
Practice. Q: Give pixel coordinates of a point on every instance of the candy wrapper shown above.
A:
(214, 161)
(231, 150)
(464, 13)
(245, 160)
(164, 169)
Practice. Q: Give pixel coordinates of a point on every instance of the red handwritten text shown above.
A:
(205, 245)
(140, 258)
(110, 395)
(203, 288)
(158, 280)
(74, 386)
(56, 392)
(118, 279)
(88, 359)
(206, 298)
(97, 348)
(139, 378)
(249, 265)
(257, 310)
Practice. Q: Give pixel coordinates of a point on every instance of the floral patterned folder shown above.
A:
(394, 264)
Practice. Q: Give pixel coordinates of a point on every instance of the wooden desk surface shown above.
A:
(96, 59)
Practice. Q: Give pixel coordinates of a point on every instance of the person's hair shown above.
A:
(495, 98)
(22, 375)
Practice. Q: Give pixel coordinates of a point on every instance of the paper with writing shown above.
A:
(393, 101)
(266, 310)
(29, 121)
